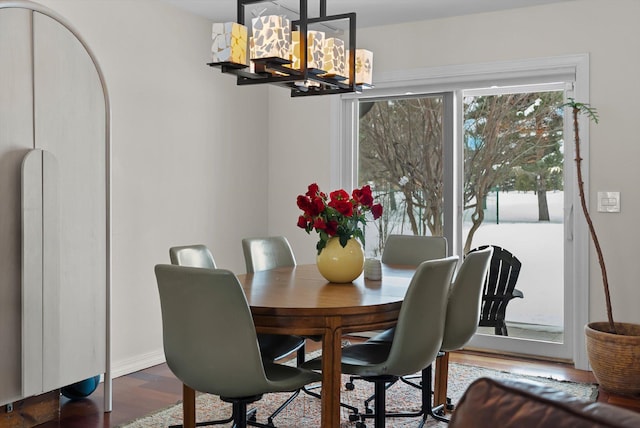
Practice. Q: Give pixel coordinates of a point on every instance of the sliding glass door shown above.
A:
(480, 166)
(513, 198)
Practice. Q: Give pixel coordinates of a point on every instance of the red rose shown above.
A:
(345, 217)
(363, 196)
(343, 207)
(319, 224)
(332, 228)
(302, 222)
(303, 203)
(313, 190)
(317, 206)
(311, 206)
(339, 195)
(376, 210)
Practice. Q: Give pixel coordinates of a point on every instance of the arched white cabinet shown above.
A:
(54, 206)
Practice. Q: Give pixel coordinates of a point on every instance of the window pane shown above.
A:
(401, 157)
(513, 197)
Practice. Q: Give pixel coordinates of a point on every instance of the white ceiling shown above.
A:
(369, 12)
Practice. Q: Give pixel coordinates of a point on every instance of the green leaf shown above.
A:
(583, 108)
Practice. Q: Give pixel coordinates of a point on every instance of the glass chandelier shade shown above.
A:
(272, 36)
(287, 52)
(229, 43)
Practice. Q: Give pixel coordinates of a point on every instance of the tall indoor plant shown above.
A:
(613, 348)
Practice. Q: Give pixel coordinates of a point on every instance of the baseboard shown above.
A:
(137, 363)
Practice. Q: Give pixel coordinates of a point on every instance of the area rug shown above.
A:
(304, 411)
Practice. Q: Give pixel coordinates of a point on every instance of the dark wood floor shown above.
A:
(147, 391)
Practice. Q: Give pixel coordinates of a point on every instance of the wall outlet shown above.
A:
(609, 202)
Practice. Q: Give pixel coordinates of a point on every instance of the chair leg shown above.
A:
(207, 423)
(427, 409)
(318, 396)
(373, 397)
(216, 422)
(379, 406)
(240, 414)
(300, 357)
(277, 411)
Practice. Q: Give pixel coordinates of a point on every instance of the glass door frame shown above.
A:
(450, 82)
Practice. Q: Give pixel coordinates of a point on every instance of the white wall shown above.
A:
(189, 155)
(300, 152)
(198, 159)
(608, 31)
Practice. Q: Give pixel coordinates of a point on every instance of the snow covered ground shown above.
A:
(538, 245)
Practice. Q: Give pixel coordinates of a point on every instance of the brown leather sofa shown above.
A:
(490, 403)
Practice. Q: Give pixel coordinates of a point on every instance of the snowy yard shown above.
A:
(538, 245)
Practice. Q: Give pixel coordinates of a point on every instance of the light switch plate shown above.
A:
(609, 202)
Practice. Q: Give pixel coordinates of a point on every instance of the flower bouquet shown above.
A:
(339, 215)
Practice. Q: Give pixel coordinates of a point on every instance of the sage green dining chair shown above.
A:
(196, 255)
(417, 339)
(198, 306)
(272, 346)
(267, 253)
(410, 250)
(463, 311)
(461, 323)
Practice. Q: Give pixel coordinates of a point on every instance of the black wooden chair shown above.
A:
(499, 288)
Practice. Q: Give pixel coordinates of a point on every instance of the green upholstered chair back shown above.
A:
(192, 255)
(413, 250)
(200, 308)
(267, 253)
(420, 327)
(465, 298)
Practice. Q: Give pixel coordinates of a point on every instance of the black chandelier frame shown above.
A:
(274, 70)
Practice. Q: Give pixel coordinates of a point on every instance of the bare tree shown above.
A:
(503, 134)
(401, 152)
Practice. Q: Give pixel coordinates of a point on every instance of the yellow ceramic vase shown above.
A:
(338, 264)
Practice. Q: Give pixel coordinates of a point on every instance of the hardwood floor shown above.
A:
(155, 388)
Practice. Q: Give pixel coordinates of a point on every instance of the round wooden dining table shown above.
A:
(299, 301)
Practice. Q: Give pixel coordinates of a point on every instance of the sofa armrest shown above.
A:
(490, 403)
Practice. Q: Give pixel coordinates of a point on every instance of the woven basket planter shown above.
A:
(615, 358)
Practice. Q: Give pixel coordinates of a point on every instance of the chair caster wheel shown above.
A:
(368, 411)
(349, 386)
(353, 418)
(360, 425)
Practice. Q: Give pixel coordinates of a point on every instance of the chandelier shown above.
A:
(293, 53)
